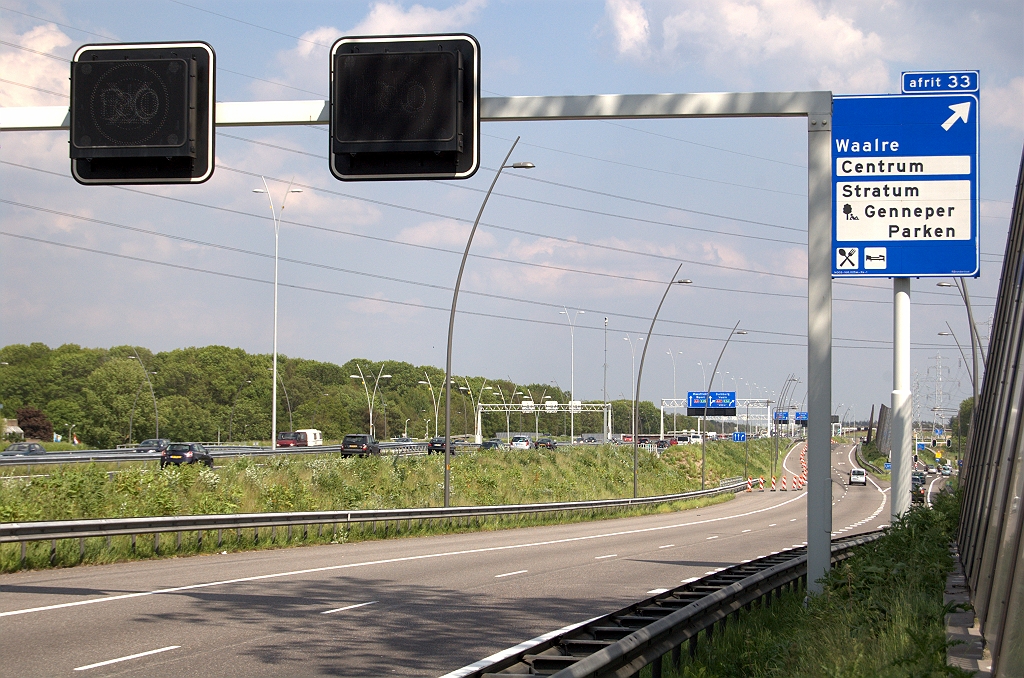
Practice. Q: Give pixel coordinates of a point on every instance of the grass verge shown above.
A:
(331, 482)
(880, 615)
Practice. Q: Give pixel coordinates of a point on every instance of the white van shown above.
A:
(858, 477)
(313, 437)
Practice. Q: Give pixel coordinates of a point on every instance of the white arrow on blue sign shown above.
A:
(905, 185)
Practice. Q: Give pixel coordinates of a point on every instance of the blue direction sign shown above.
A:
(888, 466)
(928, 82)
(801, 416)
(781, 415)
(905, 185)
(739, 437)
(717, 400)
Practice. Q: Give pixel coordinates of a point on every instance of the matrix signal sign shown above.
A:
(405, 107)
(905, 184)
(142, 113)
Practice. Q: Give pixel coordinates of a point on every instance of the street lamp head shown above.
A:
(684, 281)
(385, 376)
(295, 190)
(943, 284)
(945, 334)
(420, 381)
(485, 388)
(355, 376)
(740, 332)
(523, 165)
(258, 190)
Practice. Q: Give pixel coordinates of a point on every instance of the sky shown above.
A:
(599, 226)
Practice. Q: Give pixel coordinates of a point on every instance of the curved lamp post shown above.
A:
(572, 368)
(433, 399)
(707, 396)
(156, 414)
(371, 398)
(961, 287)
(640, 372)
(451, 325)
(277, 235)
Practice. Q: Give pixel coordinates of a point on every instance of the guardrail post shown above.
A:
(23, 547)
(156, 543)
(655, 668)
(53, 551)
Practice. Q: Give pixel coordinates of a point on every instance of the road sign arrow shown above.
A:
(960, 112)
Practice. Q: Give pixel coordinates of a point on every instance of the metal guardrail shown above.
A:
(864, 462)
(623, 642)
(990, 534)
(106, 527)
(223, 451)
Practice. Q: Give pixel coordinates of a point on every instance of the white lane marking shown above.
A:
(525, 645)
(746, 530)
(610, 555)
(349, 607)
(930, 486)
(773, 525)
(124, 659)
(793, 520)
(689, 579)
(509, 574)
(654, 592)
(666, 546)
(713, 537)
(389, 561)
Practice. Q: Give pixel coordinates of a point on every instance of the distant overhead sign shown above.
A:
(801, 416)
(905, 182)
(739, 437)
(781, 415)
(716, 403)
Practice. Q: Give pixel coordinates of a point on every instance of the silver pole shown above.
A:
(902, 437)
(819, 345)
(451, 329)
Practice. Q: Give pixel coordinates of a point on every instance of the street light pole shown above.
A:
(604, 387)
(156, 414)
(674, 408)
(451, 325)
(234, 401)
(632, 352)
(572, 369)
(277, 235)
(961, 287)
(643, 354)
(433, 399)
(370, 399)
(707, 396)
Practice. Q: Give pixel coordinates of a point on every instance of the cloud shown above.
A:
(35, 72)
(444, 233)
(1003, 105)
(389, 18)
(631, 27)
(787, 36)
(304, 66)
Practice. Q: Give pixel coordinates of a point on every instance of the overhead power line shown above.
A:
(222, 274)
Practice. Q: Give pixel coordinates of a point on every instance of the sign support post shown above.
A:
(901, 399)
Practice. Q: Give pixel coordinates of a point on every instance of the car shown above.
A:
(402, 439)
(185, 453)
(590, 439)
(493, 444)
(436, 446)
(291, 439)
(947, 470)
(917, 477)
(929, 469)
(917, 493)
(21, 449)
(359, 443)
(548, 443)
(521, 443)
(153, 445)
(858, 476)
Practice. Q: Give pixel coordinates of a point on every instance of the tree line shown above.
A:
(106, 396)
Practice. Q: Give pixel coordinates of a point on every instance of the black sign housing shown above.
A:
(405, 107)
(143, 113)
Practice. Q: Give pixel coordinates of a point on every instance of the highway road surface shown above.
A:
(413, 607)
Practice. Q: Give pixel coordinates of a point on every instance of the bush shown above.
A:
(35, 424)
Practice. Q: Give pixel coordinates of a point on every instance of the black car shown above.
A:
(549, 443)
(436, 445)
(493, 444)
(185, 453)
(153, 445)
(20, 449)
(359, 443)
